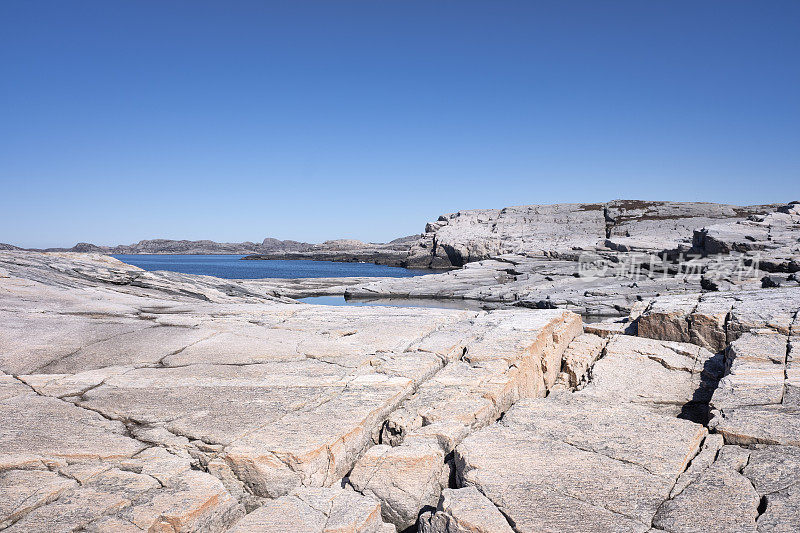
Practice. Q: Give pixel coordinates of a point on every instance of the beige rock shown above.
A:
(189, 501)
(700, 463)
(751, 405)
(667, 318)
(769, 424)
(567, 462)
(579, 356)
(465, 511)
(50, 428)
(713, 320)
(129, 384)
(719, 500)
(316, 510)
(404, 479)
(21, 491)
(670, 377)
(609, 328)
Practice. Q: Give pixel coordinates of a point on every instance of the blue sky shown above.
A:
(235, 121)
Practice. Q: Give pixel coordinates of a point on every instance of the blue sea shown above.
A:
(233, 267)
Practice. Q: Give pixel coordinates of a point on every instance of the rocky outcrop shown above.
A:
(770, 231)
(316, 510)
(461, 510)
(598, 278)
(394, 253)
(456, 239)
(517, 357)
(574, 463)
(624, 225)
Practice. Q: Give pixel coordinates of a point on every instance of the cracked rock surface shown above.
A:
(625, 442)
(134, 401)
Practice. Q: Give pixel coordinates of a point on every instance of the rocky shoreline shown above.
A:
(602, 276)
(157, 401)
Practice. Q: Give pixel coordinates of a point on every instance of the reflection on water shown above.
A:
(471, 305)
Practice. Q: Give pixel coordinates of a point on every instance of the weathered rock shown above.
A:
(714, 320)
(518, 358)
(459, 238)
(22, 491)
(770, 424)
(404, 479)
(579, 356)
(578, 257)
(774, 472)
(667, 318)
(515, 358)
(464, 511)
(117, 500)
(673, 378)
(146, 401)
(756, 372)
(700, 463)
(751, 405)
(741, 489)
(177, 403)
(606, 328)
(316, 510)
(719, 500)
(766, 232)
(47, 429)
(781, 513)
(569, 462)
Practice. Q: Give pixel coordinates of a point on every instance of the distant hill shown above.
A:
(349, 250)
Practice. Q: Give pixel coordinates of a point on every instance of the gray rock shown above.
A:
(185, 401)
(154, 401)
(465, 511)
(672, 378)
(316, 510)
(579, 356)
(404, 479)
(570, 463)
(719, 500)
(467, 236)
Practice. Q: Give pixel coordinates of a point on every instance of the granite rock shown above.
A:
(136, 401)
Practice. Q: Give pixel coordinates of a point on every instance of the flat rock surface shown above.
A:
(132, 401)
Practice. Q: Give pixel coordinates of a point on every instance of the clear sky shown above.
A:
(239, 120)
